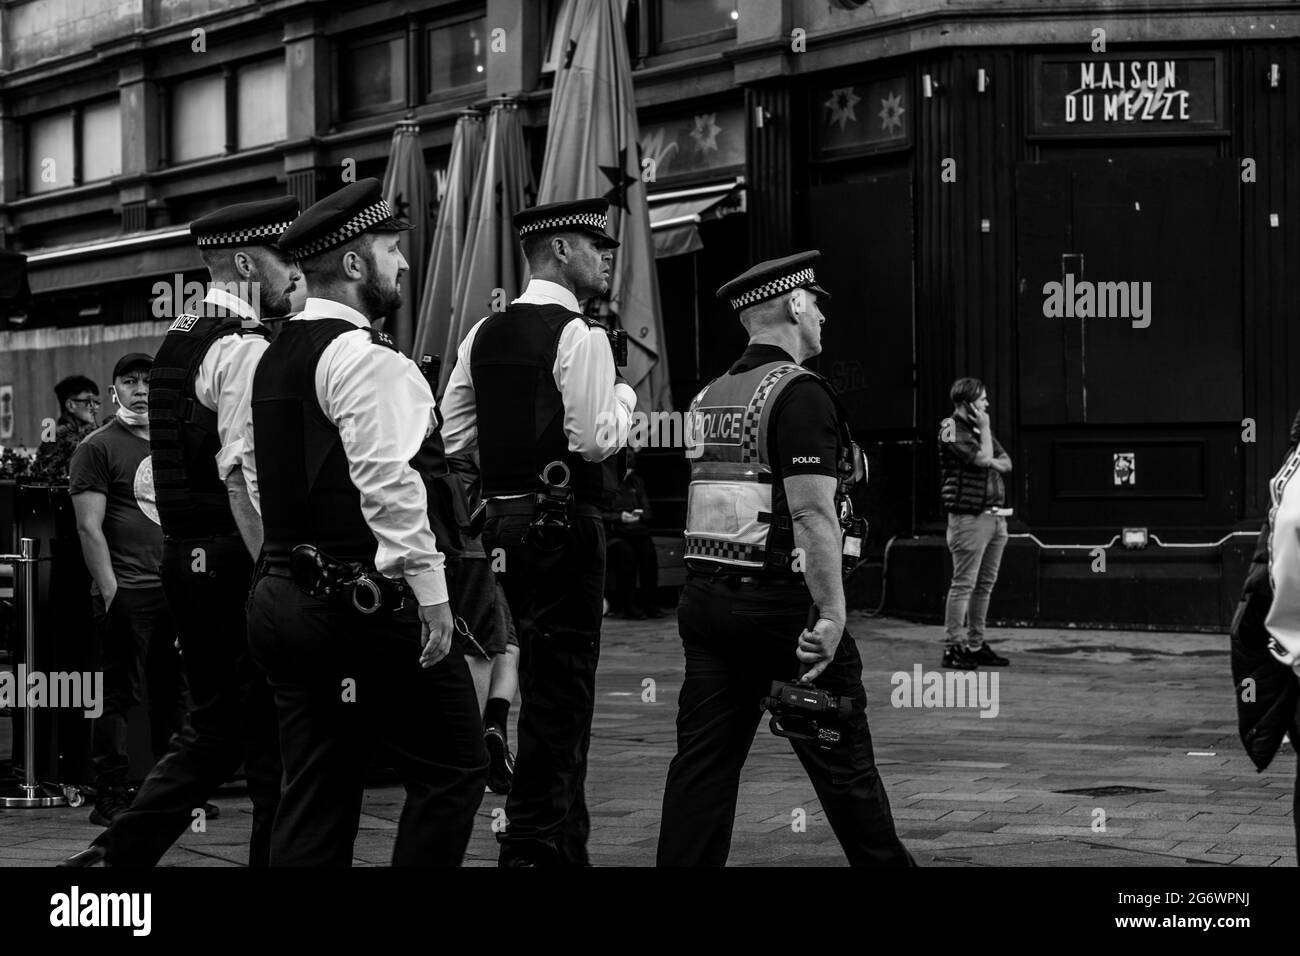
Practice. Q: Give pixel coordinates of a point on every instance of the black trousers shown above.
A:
(633, 571)
(737, 641)
(232, 719)
(136, 651)
(554, 588)
(348, 687)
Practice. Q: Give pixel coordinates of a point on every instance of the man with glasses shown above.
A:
(78, 405)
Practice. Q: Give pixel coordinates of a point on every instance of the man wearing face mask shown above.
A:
(771, 464)
(350, 616)
(112, 488)
(199, 395)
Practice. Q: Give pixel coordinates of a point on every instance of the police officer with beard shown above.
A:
(771, 462)
(199, 410)
(350, 616)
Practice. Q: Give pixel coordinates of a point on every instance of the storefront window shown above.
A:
(101, 140)
(682, 23)
(49, 153)
(261, 104)
(457, 55)
(372, 76)
(198, 118)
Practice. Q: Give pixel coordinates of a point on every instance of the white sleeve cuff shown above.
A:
(229, 458)
(626, 394)
(430, 587)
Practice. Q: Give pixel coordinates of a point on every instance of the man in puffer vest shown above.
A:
(972, 463)
(771, 461)
(199, 410)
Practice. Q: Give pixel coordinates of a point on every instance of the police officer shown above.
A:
(535, 388)
(771, 459)
(350, 615)
(198, 412)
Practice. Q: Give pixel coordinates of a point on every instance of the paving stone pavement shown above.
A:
(1076, 709)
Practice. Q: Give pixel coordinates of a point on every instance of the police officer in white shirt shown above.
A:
(198, 414)
(350, 616)
(535, 389)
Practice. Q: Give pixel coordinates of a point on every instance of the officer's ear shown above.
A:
(797, 304)
(244, 264)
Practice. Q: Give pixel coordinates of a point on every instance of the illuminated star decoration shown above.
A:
(706, 133)
(620, 180)
(891, 113)
(841, 106)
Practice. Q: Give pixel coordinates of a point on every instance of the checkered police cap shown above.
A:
(356, 208)
(245, 224)
(585, 215)
(772, 278)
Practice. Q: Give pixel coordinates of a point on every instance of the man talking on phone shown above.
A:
(972, 463)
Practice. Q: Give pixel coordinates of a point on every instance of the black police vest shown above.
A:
(307, 494)
(520, 410)
(183, 437)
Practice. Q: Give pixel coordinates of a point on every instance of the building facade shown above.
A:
(951, 159)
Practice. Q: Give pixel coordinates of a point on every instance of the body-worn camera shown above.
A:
(618, 343)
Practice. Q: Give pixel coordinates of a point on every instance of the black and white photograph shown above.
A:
(781, 435)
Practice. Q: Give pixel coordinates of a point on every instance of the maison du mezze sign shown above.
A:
(1128, 95)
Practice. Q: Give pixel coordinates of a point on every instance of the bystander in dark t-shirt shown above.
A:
(803, 434)
(116, 463)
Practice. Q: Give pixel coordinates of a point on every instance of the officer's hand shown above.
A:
(628, 517)
(817, 647)
(436, 628)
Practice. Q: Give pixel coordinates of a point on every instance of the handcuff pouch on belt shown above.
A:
(347, 585)
(553, 515)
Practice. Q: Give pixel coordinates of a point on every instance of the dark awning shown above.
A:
(163, 252)
(675, 214)
(13, 277)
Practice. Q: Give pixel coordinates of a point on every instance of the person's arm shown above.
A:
(1283, 620)
(1001, 460)
(817, 535)
(597, 409)
(643, 501)
(89, 509)
(224, 384)
(384, 409)
(247, 519)
(459, 402)
(984, 458)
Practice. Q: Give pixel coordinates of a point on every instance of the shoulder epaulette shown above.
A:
(383, 338)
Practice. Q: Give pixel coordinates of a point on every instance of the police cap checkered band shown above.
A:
(772, 278)
(257, 235)
(584, 215)
(356, 208)
(371, 216)
(587, 220)
(245, 224)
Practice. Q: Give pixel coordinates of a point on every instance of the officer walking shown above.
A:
(350, 616)
(771, 461)
(535, 388)
(199, 393)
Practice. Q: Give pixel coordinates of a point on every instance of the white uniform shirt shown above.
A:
(384, 409)
(1283, 620)
(224, 384)
(597, 413)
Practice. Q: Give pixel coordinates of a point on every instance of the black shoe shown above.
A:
(91, 856)
(501, 762)
(211, 811)
(653, 613)
(958, 658)
(108, 804)
(989, 657)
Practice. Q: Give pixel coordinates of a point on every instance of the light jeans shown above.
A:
(976, 543)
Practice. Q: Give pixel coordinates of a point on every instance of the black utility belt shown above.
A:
(735, 579)
(529, 506)
(350, 586)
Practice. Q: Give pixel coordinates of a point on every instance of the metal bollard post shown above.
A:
(30, 793)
